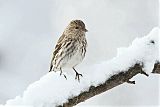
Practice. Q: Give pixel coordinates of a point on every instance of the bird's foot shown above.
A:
(78, 76)
(63, 74)
(60, 73)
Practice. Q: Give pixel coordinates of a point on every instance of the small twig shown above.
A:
(131, 82)
(144, 73)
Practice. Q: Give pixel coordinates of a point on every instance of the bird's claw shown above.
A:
(65, 76)
(78, 76)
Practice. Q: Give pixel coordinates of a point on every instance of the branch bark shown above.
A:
(156, 68)
(113, 81)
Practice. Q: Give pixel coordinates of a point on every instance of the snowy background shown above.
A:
(29, 30)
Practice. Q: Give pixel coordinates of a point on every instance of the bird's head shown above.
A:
(76, 26)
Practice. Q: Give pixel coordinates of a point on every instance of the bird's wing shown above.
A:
(61, 38)
(58, 45)
(57, 48)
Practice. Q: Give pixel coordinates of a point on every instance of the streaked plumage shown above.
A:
(70, 48)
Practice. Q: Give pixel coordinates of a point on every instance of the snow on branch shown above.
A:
(113, 81)
(54, 90)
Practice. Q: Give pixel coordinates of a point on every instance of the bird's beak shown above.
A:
(85, 30)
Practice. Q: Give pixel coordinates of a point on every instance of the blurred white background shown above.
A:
(29, 30)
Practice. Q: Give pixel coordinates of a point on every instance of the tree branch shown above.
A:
(156, 68)
(112, 82)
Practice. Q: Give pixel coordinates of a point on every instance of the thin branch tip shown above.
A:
(131, 82)
(144, 73)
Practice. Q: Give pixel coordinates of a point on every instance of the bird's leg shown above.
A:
(60, 71)
(63, 74)
(77, 74)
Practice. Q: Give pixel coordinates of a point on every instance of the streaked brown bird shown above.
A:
(70, 49)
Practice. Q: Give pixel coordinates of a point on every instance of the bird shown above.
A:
(70, 49)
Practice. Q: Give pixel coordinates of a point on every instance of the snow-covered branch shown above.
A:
(113, 81)
(54, 90)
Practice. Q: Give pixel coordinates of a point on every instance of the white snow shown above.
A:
(53, 89)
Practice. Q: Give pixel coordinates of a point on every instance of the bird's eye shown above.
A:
(77, 28)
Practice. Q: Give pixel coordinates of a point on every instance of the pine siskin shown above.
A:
(71, 48)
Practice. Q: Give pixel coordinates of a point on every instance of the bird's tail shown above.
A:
(51, 67)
